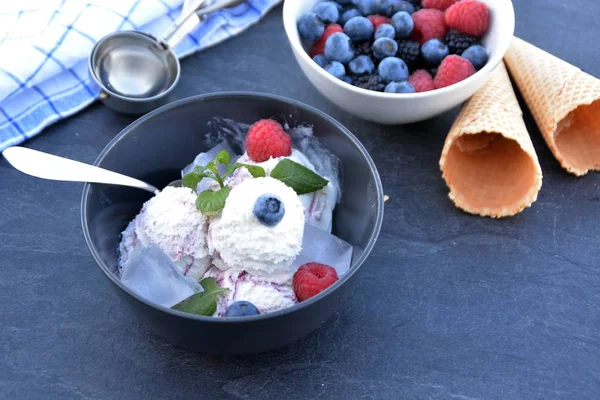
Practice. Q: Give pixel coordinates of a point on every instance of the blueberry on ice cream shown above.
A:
(260, 228)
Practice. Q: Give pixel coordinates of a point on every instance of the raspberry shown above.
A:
(266, 139)
(319, 45)
(422, 81)
(312, 278)
(469, 16)
(441, 5)
(453, 70)
(429, 24)
(377, 20)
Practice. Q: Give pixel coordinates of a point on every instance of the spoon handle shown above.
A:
(47, 166)
(188, 10)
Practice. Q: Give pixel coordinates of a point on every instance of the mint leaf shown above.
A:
(211, 203)
(204, 303)
(230, 169)
(298, 177)
(222, 158)
(191, 180)
(255, 170)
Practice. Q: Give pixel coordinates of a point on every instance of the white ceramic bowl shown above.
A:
(391, 108)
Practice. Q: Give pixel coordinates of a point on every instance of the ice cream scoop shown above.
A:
(171, 222)
(242, 237)
(318, 206)
(266, 295)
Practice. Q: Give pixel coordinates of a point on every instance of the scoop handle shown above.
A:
(48, 166)
(189, 10)
(218, 5)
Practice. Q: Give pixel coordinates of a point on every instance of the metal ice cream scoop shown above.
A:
(136, 71)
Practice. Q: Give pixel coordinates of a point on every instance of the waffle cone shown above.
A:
(564, 101)
(488, 161)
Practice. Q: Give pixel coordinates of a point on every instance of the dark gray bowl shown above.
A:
(155, 148)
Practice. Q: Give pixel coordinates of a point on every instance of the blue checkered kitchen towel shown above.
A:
(45, 44)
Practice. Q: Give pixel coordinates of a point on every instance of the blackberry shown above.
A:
(458, 42)
(409, 51)
(370, 82)
(363, 49)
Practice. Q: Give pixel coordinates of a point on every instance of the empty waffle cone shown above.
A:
(488, 161)
(564, 101)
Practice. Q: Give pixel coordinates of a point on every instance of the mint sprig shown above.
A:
(210, 202)
(204, 303)
(303, 180)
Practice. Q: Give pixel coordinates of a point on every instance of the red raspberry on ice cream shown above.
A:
(266, 139)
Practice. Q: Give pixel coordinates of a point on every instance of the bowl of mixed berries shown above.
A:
(397, 61)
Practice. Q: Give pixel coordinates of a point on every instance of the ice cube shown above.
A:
(204, 158)
(323, 247)
(151, 274)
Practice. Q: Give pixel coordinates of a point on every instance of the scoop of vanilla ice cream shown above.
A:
(171, 222)
(266, 295)
(318, 206)
(238, 240)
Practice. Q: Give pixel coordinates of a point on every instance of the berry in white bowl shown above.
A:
(361, 90)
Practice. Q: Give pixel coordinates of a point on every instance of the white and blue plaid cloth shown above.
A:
(45, 44)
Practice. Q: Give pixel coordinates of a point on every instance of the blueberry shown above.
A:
(403, 24)
(393, 69)
(241, 309)
(327, 11)
(405, 6)
(434, 51)
(336, 69)
(348, 15)
(366, 7)
(338, 47)
(385, 31)
(477, 55)
(361, 65)
(384, 47)
(321, 60)
(269, 210)
(359, 29)
(385, 7)
(311, 27)
(346, 79)
(344, 2)
(399, 87)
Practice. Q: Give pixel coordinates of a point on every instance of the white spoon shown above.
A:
(47, 166)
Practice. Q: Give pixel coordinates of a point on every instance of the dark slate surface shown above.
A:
(448, 306)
